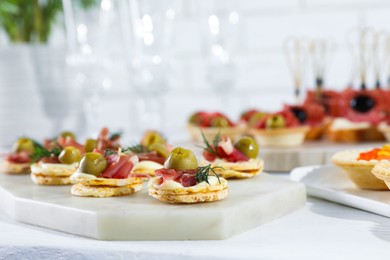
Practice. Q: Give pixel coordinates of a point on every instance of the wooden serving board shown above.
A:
(310, 153)
(250, 203)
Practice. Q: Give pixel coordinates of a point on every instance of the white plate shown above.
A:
(330, 183)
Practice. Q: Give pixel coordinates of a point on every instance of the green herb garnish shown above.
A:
(203, 173)
(41, 152)
(137, 149)
(209, 148)
(115, 136)
(108, 152)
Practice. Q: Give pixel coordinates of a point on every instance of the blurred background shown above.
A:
(132, 65)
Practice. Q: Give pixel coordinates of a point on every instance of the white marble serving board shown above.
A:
(330, 183)
(310, 153)
(250, 203)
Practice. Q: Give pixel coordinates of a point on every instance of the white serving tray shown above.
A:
(251, 202)
(330, 183)
(310, 153)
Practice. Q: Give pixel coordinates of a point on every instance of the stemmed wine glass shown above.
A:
(219, 29)
(91, 36)
(147, 33)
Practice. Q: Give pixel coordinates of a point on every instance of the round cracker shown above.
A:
(172, 197)
(54, 171)
(49, 180)
(82, 190)
(146, 167)
(233, 174)
(239, 170)
(191, 194)
(15, 168)
(107, 181)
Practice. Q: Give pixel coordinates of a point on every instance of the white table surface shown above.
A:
(320, 230)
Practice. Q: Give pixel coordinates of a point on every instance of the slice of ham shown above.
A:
(187, 179)
(112, 158)
(151, 156)
(289, 117)
(234, 156)
(124, 171)
(104, 141)
(184, 177)
(168, 174)
(209, 156)
(113, 168)
(246, 116)
(53, 159)
(21, 157)
(69, 141)
(203, 119)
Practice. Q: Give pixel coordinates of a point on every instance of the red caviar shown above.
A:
(376, 154)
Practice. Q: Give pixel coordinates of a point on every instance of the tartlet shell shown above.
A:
(283, 137)
(232, 132)
(359, 171)
(370, 134)
(385, 130)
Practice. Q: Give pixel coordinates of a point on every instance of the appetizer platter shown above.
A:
(104, 190)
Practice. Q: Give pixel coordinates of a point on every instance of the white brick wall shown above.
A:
(263, 80)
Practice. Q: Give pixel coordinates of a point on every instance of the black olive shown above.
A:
(362, 103)
(299, 113)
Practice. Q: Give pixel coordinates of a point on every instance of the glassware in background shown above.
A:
(32, 77)
(50, 71)
(91, 38)
(219, 34)
(147, 33)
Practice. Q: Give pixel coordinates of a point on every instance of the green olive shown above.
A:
(160, 149)
(69, 155)
(196, 118)
(181, 159)
(248, 146)
(93, 163)
(152, 137)
(275, 121)
(23, 144)
(90, 145)
(66, 134)
(256, 117)
(219, 121)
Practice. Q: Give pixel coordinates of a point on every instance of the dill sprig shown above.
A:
(115, 135)
(41, 152)
(137, 149)
(108, 152)
(203, 173)
(211, 149)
